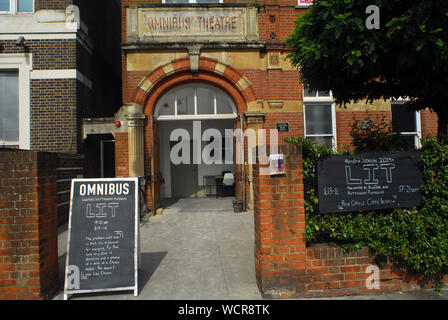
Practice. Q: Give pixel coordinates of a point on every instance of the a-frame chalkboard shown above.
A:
(103, 236)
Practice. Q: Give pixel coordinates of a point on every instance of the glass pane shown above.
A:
(185, 101)
(9, 106)
(403, 119)
(165, 107)
(318, 119)
(309, 93)
(206, 101)
(409, 141)
(224, 104)
(25, 5)
(4, 5)
(322, 93)
(328, 141)
(207, 1)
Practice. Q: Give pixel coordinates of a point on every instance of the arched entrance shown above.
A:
(191, 118)
(162, 80)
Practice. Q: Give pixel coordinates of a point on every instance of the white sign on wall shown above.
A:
(192, 23)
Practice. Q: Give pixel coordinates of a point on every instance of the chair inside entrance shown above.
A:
(225, 185)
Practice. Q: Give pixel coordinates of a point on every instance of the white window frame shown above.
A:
(23, 63)
(13, 8)
(189, 2)
(309, 101)
(303, 5)
(418, 123)
(197, 116)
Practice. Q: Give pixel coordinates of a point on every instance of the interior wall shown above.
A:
(166, 128)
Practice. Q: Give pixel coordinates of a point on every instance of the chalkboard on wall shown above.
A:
(369, 181)
(103, 236)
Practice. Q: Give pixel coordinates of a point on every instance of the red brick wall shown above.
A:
(330, 271)
(295, 120)
(279, 225)
(286, 267)
(346, 119)
(28, 225)
(121, 155)
(429, 123)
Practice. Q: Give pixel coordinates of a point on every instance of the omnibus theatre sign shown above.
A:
(369, 181)
(103, 238)
(149, 24)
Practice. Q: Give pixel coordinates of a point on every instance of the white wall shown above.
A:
(166, 128)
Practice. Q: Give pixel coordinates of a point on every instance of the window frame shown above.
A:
(196, 115)
(13, 8)
(418, 123)
(317, 100)
(191, 2)
(23, 63)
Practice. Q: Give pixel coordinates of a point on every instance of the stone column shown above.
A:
(255, 121)
(136, 147)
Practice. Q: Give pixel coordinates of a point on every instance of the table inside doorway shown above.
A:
(213, 181)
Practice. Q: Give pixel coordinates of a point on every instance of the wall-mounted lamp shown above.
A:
(20, 41)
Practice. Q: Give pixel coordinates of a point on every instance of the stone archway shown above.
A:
(175, 73)
(209, 70)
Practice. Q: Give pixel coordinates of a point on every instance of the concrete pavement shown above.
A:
(199, 249)
(189, 253)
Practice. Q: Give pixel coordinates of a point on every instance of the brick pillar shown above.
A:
(280, 245)
(28, 225)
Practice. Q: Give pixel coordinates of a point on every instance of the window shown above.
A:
(194, 102)
(407, 122)
(16, 6)
(9, 106)
(191, 1)
(320, 117)
(15, 75)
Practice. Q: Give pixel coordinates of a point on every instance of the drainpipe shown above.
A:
(136, 146)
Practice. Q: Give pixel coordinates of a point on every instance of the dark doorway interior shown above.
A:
(100, 156)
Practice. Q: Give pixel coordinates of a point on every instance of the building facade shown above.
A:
(197, 65)
(56, 69)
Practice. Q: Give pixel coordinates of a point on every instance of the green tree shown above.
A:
(406, 57)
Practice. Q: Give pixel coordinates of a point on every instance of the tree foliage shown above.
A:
(406, 57)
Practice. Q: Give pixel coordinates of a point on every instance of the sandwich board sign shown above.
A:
(103, 236)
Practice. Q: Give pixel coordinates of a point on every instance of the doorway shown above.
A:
(193, 179)
(184, 177)
(194, 110)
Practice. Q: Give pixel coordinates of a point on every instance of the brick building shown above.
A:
(223, 63)
(55, 76)
(57, 68)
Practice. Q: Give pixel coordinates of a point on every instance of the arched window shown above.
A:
(195, 101)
